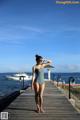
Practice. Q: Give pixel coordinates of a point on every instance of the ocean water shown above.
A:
(8, 86)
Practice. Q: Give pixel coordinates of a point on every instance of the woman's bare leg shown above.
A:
(36, 88)
(41, 90)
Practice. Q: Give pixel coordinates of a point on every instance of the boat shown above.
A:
(19, 76)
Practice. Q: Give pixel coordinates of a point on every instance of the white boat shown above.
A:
(20, 76)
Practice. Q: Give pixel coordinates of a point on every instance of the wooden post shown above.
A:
(70, 79)
(57, 81)
(22, 78)
(69, 88)
(23, 82)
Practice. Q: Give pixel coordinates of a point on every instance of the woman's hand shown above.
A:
(49, 61)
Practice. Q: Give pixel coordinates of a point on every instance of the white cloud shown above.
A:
(29, 28)
(28, 67)
(15, 68)
(10, 28)
(67, 58)
(15, 34)
(67, 68)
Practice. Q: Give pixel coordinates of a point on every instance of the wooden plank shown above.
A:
(56, 106)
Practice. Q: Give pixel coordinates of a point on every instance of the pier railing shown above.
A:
(70, 89)
(10, 89)
(75, 91)
(70, 86)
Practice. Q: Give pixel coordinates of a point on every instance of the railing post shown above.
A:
(23, 82)
(22, 78)
(57, 81)
(69, 88)
(62, 84)
(70, 79)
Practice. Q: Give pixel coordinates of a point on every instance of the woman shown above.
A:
(38, 82)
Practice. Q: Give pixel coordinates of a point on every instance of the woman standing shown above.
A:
(38, 82)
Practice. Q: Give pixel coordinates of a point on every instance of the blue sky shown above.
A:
(29, 27)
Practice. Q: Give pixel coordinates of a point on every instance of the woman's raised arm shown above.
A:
(48, 62)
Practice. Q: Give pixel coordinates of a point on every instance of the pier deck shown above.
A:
(56, 105)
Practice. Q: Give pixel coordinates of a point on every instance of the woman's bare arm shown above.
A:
(49, 62)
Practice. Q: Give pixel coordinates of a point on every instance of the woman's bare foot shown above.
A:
(42, 110)
(38, 109)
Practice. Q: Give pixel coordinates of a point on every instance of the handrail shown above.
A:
(72, 89)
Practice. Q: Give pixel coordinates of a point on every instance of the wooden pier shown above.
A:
(56, 105)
